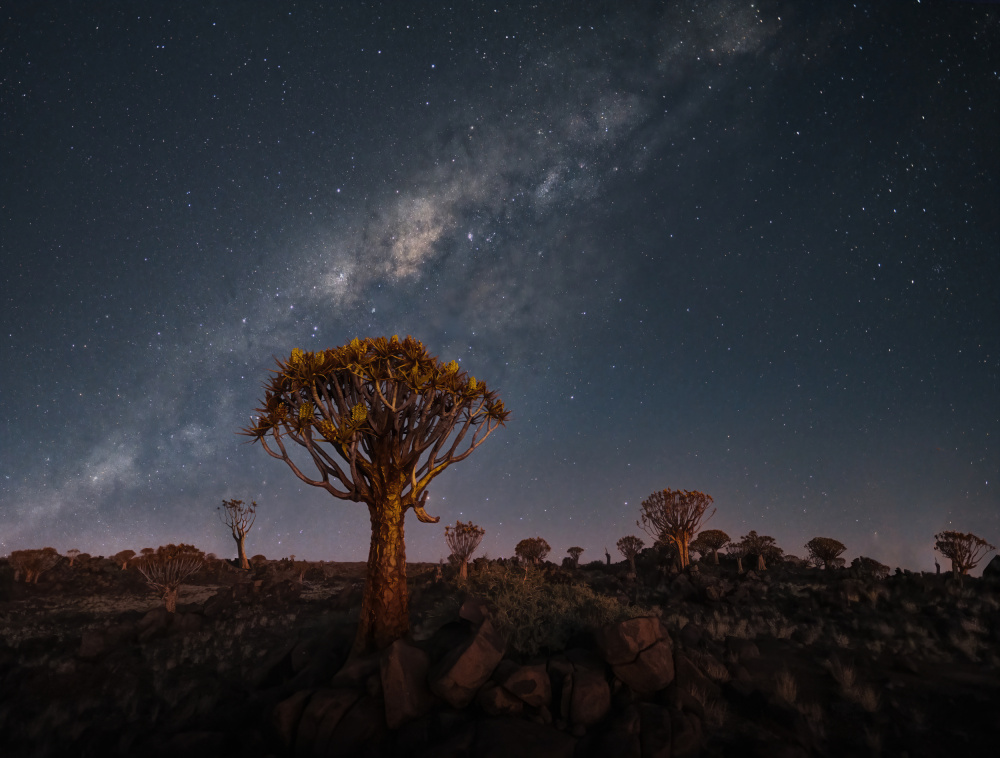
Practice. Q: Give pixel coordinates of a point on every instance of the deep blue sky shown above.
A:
(752, 250)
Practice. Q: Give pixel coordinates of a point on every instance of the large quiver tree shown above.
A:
(964, 550)
(673, 517)
(375, 417)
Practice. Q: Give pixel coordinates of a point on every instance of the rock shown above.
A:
(188, 623)
(458, 676)
(590, 699)
(622, 737)
(321, 716)
(652, 670)
(992, 570)
(530, 683)
(685, 734)
(497, 701)
(691, 635)
(741, 649)
(403, 669)
(689, 677)
(355, 673)
(474, 610)
(153, 623)
(622, 642)
(359, 731)
(93, 644)
(655, 736)
(504, 737)
(286, 714)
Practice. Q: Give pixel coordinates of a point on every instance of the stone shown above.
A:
(497, 701)
(354, 674)
(741, 649)
(992, 569)
(458, 676)
(503, 737)
(320, 718)
(622, 642)
(685, 734)
(474, 610)
(403, 670)
(590, 699)
(530, 683)
(93, 644)
(358, 732)
(652, 670)
(286, 714)
(188, 623)
(691, 635)
(655, 736)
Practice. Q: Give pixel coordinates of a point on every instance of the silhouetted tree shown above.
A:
(629, 546)
(963, 550)
(574, 554)
(72, 554)
(167, 567)
(374, 417)
(712, 540)
(826, 550)
(463, 539)
(869, 568)
(763, 547)
(239, 517)
(674, 516)
(33, 563)
(739, 551)
(532, 549)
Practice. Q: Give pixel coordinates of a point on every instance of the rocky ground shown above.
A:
(589, 661)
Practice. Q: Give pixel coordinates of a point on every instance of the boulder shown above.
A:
(655, 736)
(458, 676)
(403, 670)
(622, 642)
(286, 714)
(320, 718)
(504, 737)
(992, 570)
(651, 671)
(497, 701)
(590, 698)
(93, 644)
(530, 683)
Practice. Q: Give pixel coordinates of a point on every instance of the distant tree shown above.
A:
(166, 568)
(374, 418)
(763, 547)
(532, 549)
(239, 517)
(963, 550)
(712, 540)
(31, 564)
(629, 546)
(739, 551)
(72, 554)
(825, 550)
(675, 516)
(463, 539)
(869, 568)
(123, 557)
(574, 554)
(258, 560)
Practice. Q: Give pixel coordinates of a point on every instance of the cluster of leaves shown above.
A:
(869, 568)
(169, 565)
(710, 541)
(535, 615)
(463, 539)
(825, 550)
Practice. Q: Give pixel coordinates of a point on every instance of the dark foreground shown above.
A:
(791, 661)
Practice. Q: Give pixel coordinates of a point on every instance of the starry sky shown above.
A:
(751, 249)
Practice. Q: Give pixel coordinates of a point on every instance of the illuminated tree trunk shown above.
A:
(241, 539)
(385, 605)
(170, 599)
(463, 571)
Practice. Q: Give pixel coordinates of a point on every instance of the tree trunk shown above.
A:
(463, 571)
(385, 605)
(715, 556)
(760, 563)
(170, 599)
(739, 564)
(240, 545)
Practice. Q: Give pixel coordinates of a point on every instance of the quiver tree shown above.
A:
(739, 551)
(711, 541)
(532, 549)
(964, 550)
(763, 547)
(869, 568)
(574, 555)
(629, 547)
(167, 567)
(825, 550)
(463, 539)
(73, 554)
(673, 517)
(123, 557)
(31, 564)
(374, 419)
(239, 517)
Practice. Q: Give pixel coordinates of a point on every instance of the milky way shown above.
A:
(744, 249)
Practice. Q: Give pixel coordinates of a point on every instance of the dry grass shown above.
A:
(785, 686)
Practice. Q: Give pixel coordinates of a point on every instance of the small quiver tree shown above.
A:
(574, 555)
(712, 540)
(73, 554)
(123, 557)
(629, 546)
(674, 517)
(763, 547)
(869, 568)
(31, 564)
(963, 550)
(239, 517)
(374, 418)
(532, 550)
(167, 567)
(463, 539)
(825, 550)
(738, 550)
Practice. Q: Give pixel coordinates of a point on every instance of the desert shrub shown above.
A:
(534, 615)
(785, 686)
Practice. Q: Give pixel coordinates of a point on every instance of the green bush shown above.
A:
(537, 616)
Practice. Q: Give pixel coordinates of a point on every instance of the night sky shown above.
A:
(748, 249)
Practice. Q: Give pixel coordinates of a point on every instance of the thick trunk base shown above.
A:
(385, 605)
